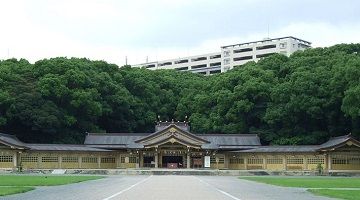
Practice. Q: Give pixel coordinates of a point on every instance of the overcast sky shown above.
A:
(161, 29)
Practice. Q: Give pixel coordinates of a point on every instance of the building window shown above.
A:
(29, 159)
(70, 159)
(255, 161)
(181, 61)
(198, 59)
(182, 68)
(243, 58)
(89, 160)
(271, 46)
(342, 161)
(132, 159)
(198, 66)
(165, 63)
(226, 53)
(108, 160)
(122, 159)
(221, 160)
(354, 161)
(6, 158)
(295, 161)
(212, 159)
(215, 64)
(274, 161)
(283, 45)
(243, 50)
(316, 161)
(215, 56)
(237, 161)
(264, 55)
(49, 159)
(149, 66)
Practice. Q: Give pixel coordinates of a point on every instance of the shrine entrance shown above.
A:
(172, 162)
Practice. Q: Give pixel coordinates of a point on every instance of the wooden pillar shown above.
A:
(156, 160)
(284, 163)
(246, 162)
(80, 161)
(188, 161)
(329, 162)
(59, 161)
(326, 162)
(39, 161)
(264, 162)
(99, 161)
(15, 160)
(305, 163)
(141, 159)
(226, 160)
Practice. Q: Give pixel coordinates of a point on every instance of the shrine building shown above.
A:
(172, 145)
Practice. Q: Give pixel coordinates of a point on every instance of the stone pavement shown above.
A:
(167, 187)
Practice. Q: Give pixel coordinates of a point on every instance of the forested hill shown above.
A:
(303, 99)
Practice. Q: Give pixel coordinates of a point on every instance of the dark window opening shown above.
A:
(215, 64)
(198, 66)
(243, 58)
(198, 59)
(166, 63)
(181, 61)
(182, 68)
(266, 47)
(149, 66)
(215, 56)
(264, 55)
(243, 50)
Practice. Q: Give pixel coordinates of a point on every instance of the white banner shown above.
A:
(207, 161)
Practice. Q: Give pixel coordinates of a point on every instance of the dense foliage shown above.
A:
(303, 99)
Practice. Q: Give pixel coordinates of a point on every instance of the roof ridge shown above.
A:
(341, 136)
(9, 135)
(109, 134)
(228, 134)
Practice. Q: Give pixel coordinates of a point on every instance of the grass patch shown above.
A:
(309, 182)
(341, 194)
(14, 190)
(20, 180)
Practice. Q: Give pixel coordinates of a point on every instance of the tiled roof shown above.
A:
(63, 147)
(280, 149)
(11, 140)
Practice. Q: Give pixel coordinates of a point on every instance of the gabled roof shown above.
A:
(339, 141)
(12, 141)
(169, 128)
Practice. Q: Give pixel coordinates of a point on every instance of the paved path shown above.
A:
(166, 188)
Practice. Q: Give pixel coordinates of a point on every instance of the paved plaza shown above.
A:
(165, 188)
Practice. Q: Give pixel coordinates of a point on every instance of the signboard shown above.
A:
(207, 161)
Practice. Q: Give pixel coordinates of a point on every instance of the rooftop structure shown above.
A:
(231, 56)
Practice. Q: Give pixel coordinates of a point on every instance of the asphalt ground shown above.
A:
(166, 187)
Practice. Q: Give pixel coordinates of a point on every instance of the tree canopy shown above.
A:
(301, 99)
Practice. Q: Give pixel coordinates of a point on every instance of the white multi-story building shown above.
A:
(231, 56)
